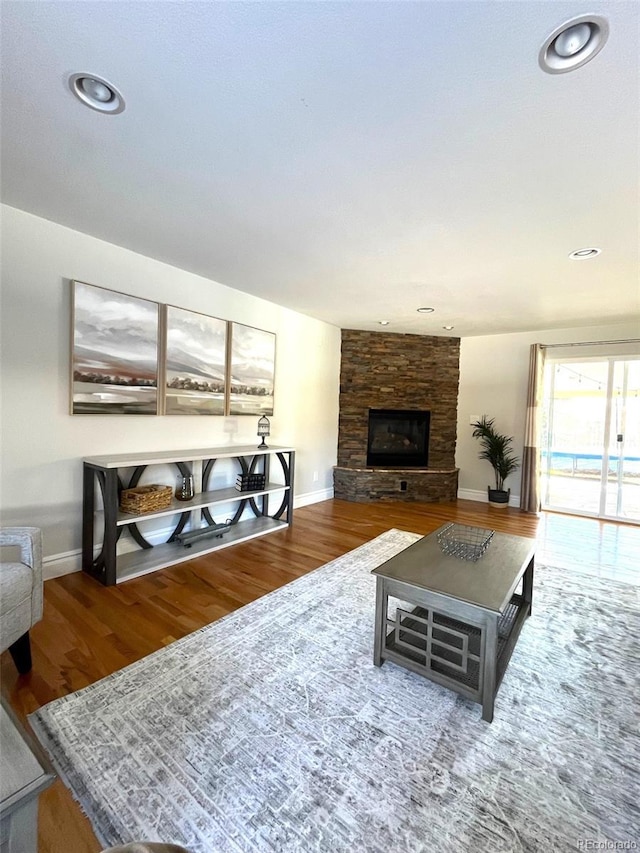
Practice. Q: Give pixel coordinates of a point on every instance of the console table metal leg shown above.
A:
(110, 529)
(489, 667)
(380, 621)
(88, 512)
(292, 465)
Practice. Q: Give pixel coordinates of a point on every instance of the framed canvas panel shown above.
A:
(195, 363)
(114, 352)
(252, 370)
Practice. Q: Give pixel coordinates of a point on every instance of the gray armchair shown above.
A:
(21, 593)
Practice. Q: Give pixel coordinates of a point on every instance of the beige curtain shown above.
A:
(530, 488)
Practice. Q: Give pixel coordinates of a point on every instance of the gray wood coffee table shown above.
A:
(456, 621)
(26, 772)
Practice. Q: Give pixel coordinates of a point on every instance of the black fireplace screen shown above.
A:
(398, 438)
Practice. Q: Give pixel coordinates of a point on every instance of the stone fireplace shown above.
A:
(398, 417)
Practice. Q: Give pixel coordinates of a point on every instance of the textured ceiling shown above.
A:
(352, 161)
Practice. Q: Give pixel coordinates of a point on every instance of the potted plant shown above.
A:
(496, 449)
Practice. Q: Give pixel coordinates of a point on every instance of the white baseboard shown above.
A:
(58, 565)
(477, 495)
(312, 497)
(68, 562)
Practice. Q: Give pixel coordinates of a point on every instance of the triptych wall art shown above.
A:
(130, 356)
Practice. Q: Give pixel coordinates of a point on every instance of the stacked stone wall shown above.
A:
(391, 371)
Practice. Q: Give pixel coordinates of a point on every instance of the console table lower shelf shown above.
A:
(137, 563)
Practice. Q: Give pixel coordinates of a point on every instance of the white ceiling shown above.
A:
(350, 160)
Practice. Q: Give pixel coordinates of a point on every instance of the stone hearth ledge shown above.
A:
(366, 485)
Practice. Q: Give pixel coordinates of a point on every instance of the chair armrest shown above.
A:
(29, 541)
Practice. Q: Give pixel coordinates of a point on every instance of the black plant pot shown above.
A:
(499, 497)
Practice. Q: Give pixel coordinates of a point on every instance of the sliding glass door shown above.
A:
(621, 498)
(591, 437)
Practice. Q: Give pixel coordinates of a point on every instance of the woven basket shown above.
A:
(145, 498)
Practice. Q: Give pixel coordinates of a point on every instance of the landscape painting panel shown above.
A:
(195, 363)
(253, 354)
(114, 354)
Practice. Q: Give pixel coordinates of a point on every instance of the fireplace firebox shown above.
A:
(398, 438)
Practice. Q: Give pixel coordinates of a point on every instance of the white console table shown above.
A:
(101, 474)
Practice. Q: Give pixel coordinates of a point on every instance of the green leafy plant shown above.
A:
(496, 449)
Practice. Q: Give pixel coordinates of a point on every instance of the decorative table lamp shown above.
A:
(264, 429)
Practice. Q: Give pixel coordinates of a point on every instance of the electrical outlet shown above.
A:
(315, 476)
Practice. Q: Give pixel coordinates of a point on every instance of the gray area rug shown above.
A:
(271, 730)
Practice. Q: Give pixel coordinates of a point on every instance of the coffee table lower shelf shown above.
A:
(449, 651)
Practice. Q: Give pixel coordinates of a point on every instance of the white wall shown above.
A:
(42, 444)
(494, 372)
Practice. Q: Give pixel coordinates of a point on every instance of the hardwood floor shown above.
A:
(89, 631)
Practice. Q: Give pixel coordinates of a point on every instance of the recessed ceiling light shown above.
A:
(573, 43)
(383, 322)
(583, 254)
(448, 328)
(426, 310)
(97, 93)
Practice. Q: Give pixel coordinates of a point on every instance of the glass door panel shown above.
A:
(622, 493)
(576, 427)
(591, 438)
